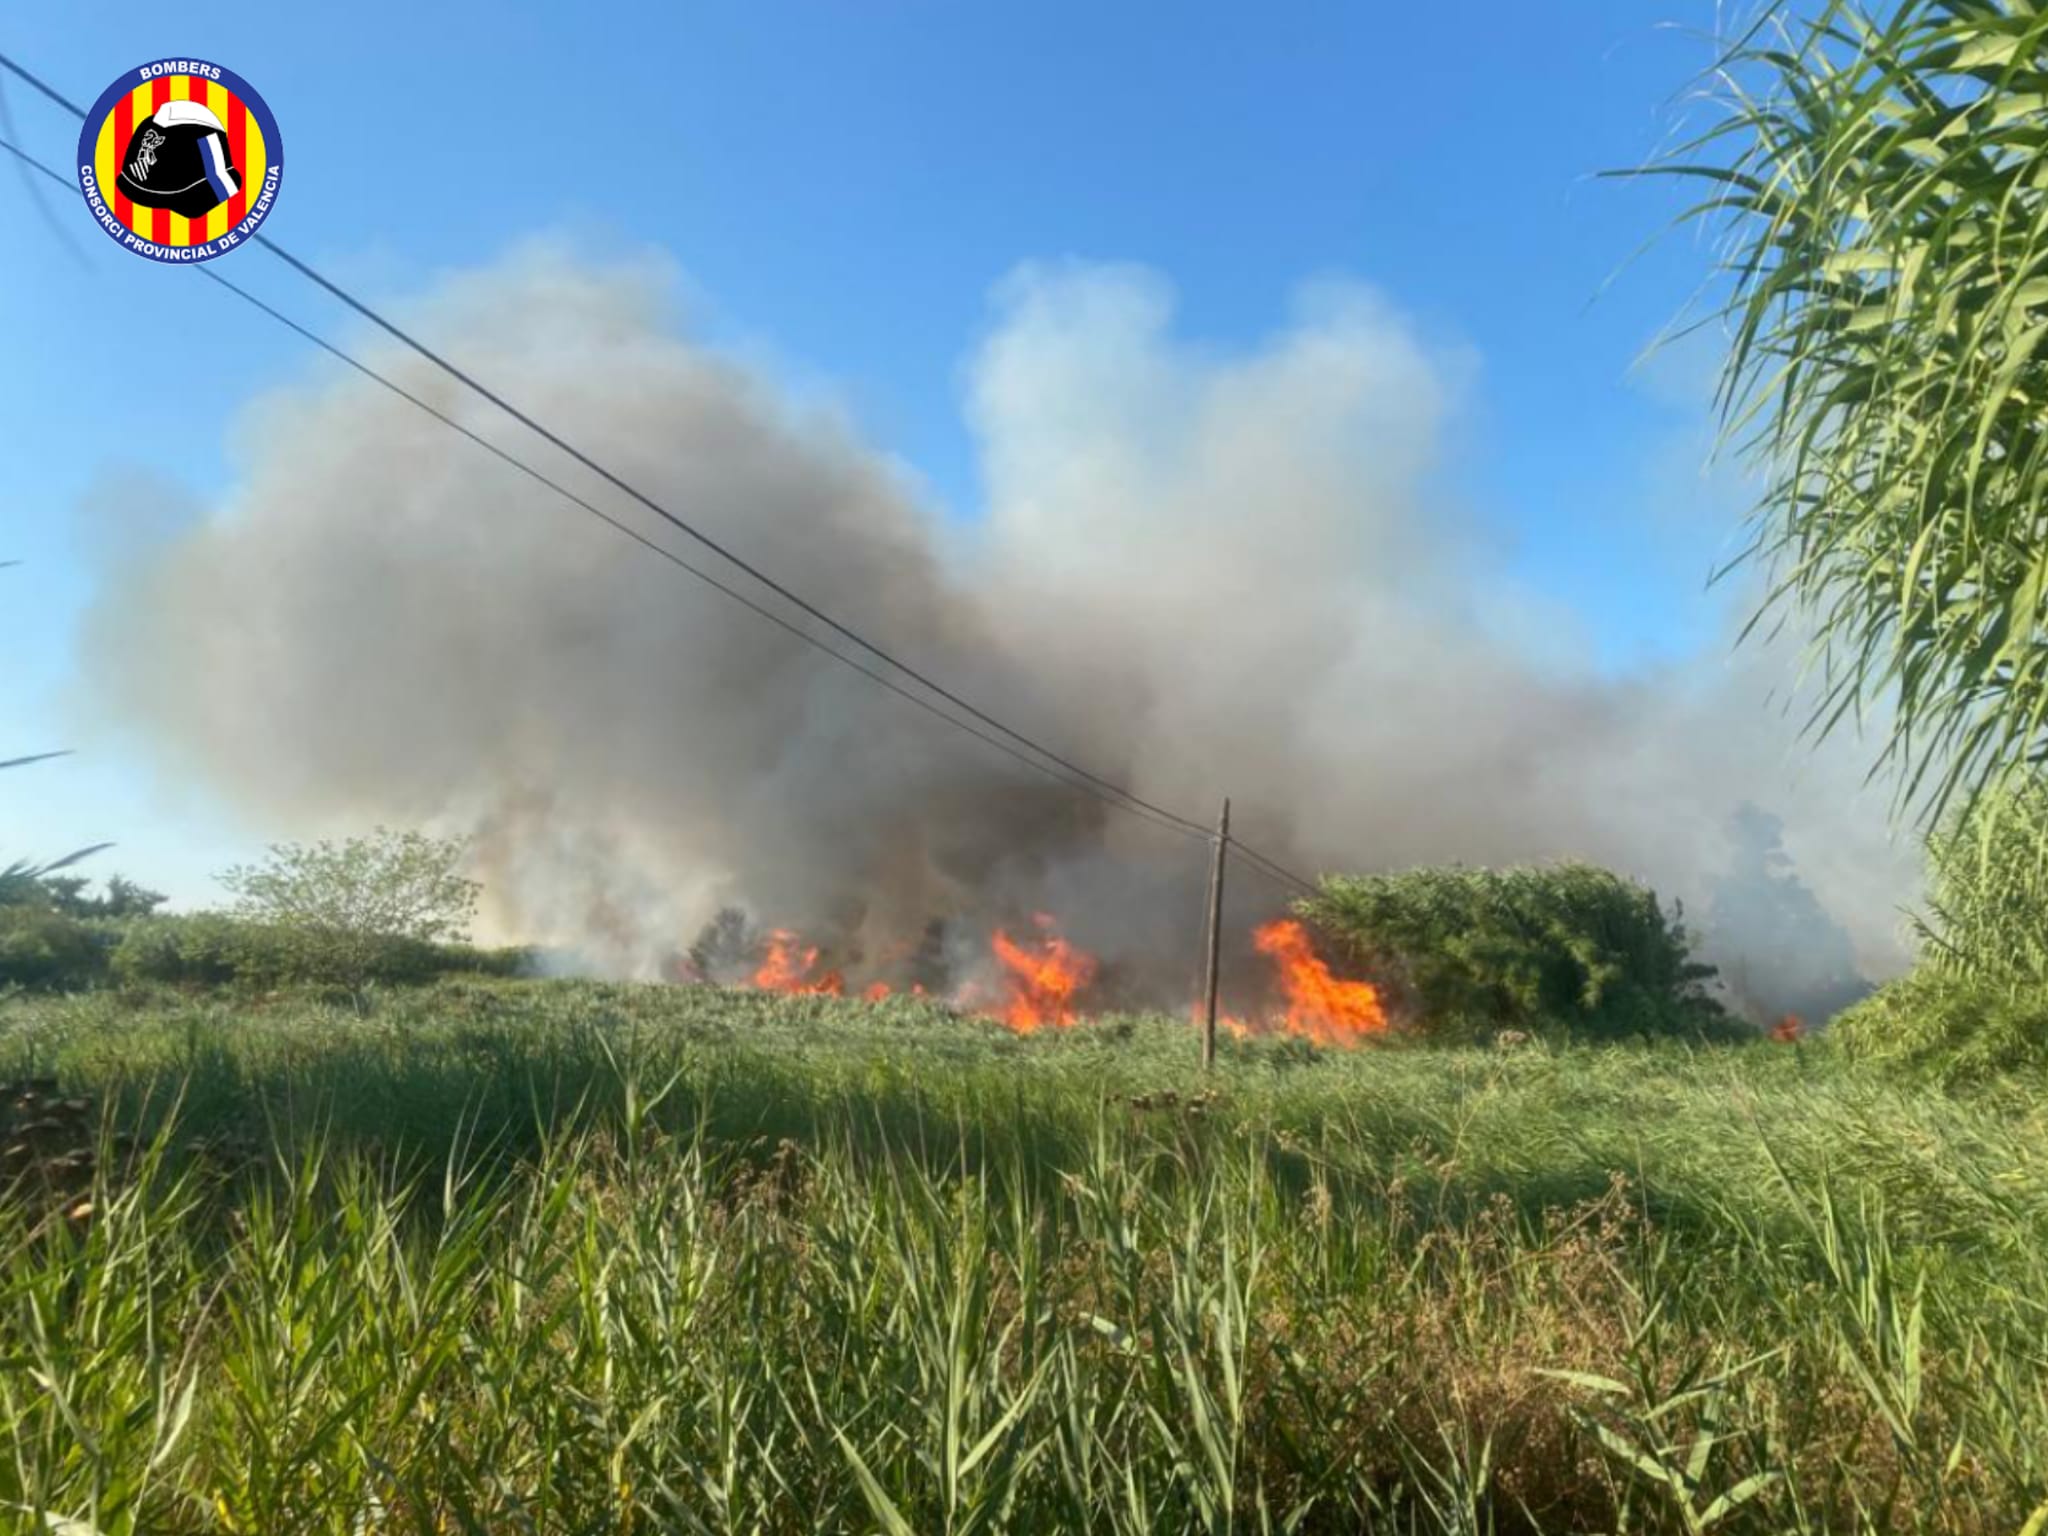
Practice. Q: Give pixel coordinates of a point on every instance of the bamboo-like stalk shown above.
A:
(1875, 179)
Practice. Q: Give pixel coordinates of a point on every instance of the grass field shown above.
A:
(563, 1257)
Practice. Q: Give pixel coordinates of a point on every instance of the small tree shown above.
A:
(396, 884)
(726, 949)
(121, 897)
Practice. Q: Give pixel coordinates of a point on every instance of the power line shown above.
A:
(705, 539)
(1271, 870)
(637, 537)
(1129, 802)
(469, 381)
(1136, 809)
(1125, 799)
(48, 90)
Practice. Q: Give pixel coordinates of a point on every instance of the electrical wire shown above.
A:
(637, 537)
(682, 525)
(1105, 790)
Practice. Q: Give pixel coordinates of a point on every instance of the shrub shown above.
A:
(1976, 1005)
(212, 949)
(119, 897)
(1987, 890)
(1951, 1030)
(47, 950)
(1559, 948)
(193, 951)
(503, 960)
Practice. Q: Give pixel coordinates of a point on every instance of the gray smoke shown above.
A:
(1195, 574)
(1784, 954)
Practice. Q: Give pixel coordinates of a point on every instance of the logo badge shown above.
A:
(180, 160)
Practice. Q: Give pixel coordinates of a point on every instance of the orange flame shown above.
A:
(1320, 1007)
(1040, 980)
(1788, 1029)
(788, 965)
(1231, 1025)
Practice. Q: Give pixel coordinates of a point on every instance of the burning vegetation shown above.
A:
(1320, 1005)
(792, 966)
(1040, 977)
(1036, 978)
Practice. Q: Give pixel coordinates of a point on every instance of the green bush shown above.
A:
(1976, 1005)
(211, 949)
(1949, 1029)
(47, 950)
(1987, 890)
(504, 960)
(187, 951)
(1563, 948)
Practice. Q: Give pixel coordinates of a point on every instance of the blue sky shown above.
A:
(843, 186)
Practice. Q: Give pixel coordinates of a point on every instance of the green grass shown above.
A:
(560, 1257)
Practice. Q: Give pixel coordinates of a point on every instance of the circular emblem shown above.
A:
(180, 160)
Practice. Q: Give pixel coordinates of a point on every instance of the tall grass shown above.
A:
(1976, 1005)
(513, 1257)
(1987, 891)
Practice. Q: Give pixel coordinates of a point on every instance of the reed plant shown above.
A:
(554, 1257)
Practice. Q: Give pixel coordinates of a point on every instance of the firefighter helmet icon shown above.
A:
(180, 160)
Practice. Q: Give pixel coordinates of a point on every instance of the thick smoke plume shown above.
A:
(1195, 574)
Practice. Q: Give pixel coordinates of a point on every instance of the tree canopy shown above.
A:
(396, 884)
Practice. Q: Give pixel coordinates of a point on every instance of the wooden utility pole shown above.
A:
(1213, 955)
